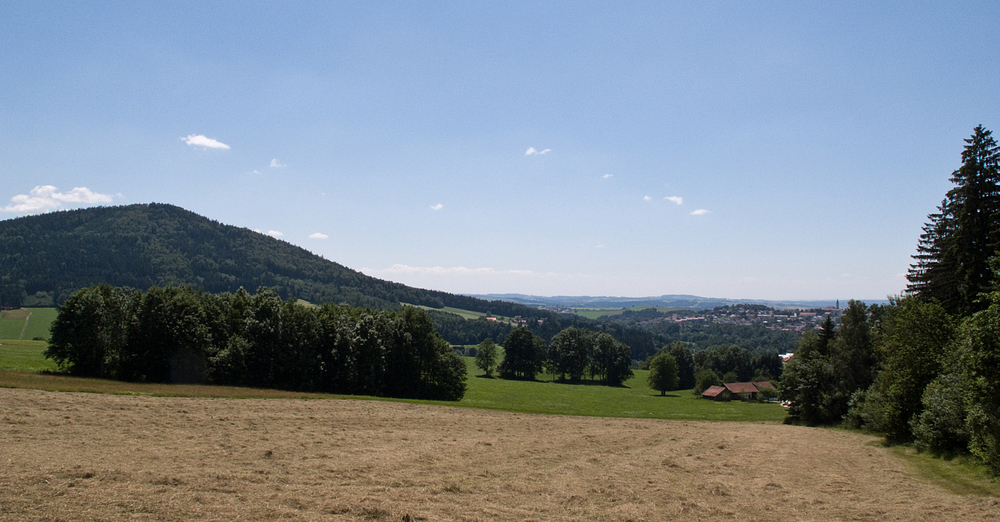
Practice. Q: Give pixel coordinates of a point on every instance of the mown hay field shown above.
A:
(87, 456)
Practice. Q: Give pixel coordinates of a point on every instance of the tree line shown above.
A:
(176, 334)
(573, 354)
(674, 367)
(924, 369)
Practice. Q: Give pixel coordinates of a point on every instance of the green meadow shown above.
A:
(594, 313)
(26, 323)
(22, 361)
(634, 400)
(24, 356)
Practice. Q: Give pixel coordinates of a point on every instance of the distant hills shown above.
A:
(44, 258)
(692, 302)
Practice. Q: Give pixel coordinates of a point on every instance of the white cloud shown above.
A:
(45, 197)
(404, 270)
(701, 212)
(647, 198)
(437, 207)
(276, 164)
(319, 235)
(274, 233)
(532, 152)
(676, 199)
(606, 176)
(199, 140)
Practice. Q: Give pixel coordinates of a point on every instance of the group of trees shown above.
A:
(572, 354)
(706, 368)
(926, 367)
(830, 366)
(177, 334)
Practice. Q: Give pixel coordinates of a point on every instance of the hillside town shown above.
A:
(790, 320)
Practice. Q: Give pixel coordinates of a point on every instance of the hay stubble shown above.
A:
(70, 456)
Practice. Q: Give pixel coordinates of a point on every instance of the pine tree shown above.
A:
(952, 260)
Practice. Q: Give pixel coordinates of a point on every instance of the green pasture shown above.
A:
(634, 400)
(465, 314)
(12, 323)
(24, 356)
(961, 475)
(39, 322)
(594, 313)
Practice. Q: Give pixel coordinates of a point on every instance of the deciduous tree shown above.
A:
(524, 353)
(663, 373)
(486, 357)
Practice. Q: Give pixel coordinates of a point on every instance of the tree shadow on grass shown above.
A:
(667, 395)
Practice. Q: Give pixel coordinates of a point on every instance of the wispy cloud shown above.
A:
(199, 140)
(46, 197)
(401, 269)
(606, 176)
(437, 207)
(319, 235)
(701, 212)
(274, 233)
(533, 152)
(676, 199)
(461, 279)
(275, 163)
(647, 198)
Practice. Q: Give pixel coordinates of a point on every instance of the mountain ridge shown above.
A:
(692, 302)
(46, 257)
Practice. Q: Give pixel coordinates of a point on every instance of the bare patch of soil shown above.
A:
(69, 456)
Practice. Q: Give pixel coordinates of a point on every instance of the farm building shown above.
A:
(717, 393)
(746, 391)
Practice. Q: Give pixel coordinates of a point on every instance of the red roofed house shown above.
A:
(746, 391)
(717, 393)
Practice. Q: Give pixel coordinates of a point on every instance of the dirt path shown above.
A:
(66, 456)
(25, 327)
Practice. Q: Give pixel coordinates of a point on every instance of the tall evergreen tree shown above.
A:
(952, 260)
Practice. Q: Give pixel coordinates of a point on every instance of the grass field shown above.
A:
(634, 400)
(39, 322)
(24, 356)
(594, 313)
(12, 323)
(465, 314)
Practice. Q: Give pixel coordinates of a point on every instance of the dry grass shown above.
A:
(74, 456)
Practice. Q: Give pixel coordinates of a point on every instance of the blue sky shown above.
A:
(722, 149)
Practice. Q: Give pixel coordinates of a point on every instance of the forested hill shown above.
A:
(44, 258)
